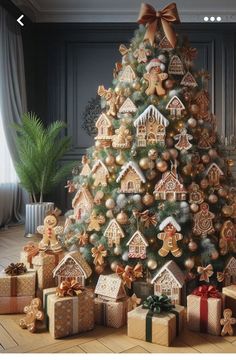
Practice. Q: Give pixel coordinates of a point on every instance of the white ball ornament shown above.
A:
(162, 58)
(110, 204)
(189, 264)
(173, 93)
(137, 198)
(93, 238)
(121, 201)
(109, 214)
(125, 256)
(152, 264)
(117, 250)
(114, 265)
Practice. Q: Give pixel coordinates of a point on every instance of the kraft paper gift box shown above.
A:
(204, 311)
(14, 305)
(68, 315)
(30, 250)
(229, 293)
(160, 328)
(111, 313)
(44, 263)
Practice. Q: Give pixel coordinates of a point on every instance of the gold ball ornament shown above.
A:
(165, 155)
(152, 264)
(187, 169)
(136, 85)
(152, 154)
(169, 83)
(151, 174)
(120, 160)
(194, 208)
(205, 159)
(194, 109)
(174, 153)
(113, 265)
(93, 238)
(213, 199)
(99, 269)
(192, 123)
(222, 192)
(110, 160)
(110, 204)
(161, 165)
(144, 163)
(189, 263)
(122, 218)
(192, 245)
(212, 153)
(148, 199)
(204, 183)
(227, 210)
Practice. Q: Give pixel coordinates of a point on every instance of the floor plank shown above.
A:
(74, 349)
(136, 350)
(94, 346)
(6, 341)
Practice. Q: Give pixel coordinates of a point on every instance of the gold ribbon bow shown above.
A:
(98, 253)
(32, 249)
(133, 302)
(15, 269)
(69, 288)
(146, 217)
(128, 274)
(152, 18)
(205, 272)
(83, 238)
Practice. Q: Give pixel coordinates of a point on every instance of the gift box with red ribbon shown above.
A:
(204, 309)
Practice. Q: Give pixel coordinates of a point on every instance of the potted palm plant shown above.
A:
(39, 150)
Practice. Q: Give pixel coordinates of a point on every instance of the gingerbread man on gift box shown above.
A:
(155, 76)
(170, 236)
(50, 230)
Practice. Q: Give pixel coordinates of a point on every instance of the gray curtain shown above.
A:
(13, 105)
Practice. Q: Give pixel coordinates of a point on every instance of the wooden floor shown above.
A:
(13, 339)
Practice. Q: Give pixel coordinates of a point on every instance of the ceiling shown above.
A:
(120, 10)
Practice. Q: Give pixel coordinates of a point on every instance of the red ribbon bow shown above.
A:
(206, 291)
(150, 17)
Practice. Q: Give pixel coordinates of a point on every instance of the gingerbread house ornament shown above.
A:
(202, 100)
(114, 233)
(169, 187)
(188, 80)
(128, 107)
(165, 45)
(175, 66)
(214, 173)
(230, 272)
(150, 127)
(127, 75)
(170, 281)
(131, 178)
(86, 168)
(137, 246)
(100, 173)
(175, 106)
(82, 202)
(72, 267)
(110, 288)
(105, 132)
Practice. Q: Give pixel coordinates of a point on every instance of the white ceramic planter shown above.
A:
(34, 216)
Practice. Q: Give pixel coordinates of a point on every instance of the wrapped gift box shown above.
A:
(69, 315)
(111, 313)
(204, 313)
(229, 293)
(44, 263)
(159, 328)
(20, 285)
(15, 304)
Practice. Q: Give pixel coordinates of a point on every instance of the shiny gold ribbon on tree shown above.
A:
(128, 274)
(205, 272)
(15, 269)
(69, 288)
(98, 253)
(152, 19)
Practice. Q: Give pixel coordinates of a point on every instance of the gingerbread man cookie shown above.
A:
(170, 236)
(33, 313)
(155, 76)
(227, 323)
(50, 230)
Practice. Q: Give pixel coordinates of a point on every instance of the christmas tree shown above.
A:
(156, 186)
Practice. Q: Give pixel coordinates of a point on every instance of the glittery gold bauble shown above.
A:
(144, 163)
(110, 179)
(165, 155)
(148, 199)
(110, 203)
(192, 122)
(152, 264)
(213, 153)
(117, 250)
(205, 159)
(213, 199)
(169, 83)
(120, 160)
(194, 208)
(192, 245)
(214, 255)
(173, 153)
(152, 154)
(114, 265)
(127, 91)
(153, 99)
(227, 210)
(161, 165)
(194, 109)
(136, 85)
(109, 160)
(222, 192)
(99, 269)
(122, 218)
(97, 144)
(189, 263)
(204, 183)
(169, 142)
(151, 174)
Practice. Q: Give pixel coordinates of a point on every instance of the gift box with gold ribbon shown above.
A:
(204, 309)
(30, 250)
(44, 263)
(156, 321)
(69, 309)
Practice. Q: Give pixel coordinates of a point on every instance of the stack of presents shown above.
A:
(54, 287)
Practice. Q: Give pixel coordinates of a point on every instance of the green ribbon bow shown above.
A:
(157, 304)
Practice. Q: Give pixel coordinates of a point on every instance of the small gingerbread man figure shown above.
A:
(227, 323)
(50, 230)
(170, 236)
(155, 76)
(33, 313)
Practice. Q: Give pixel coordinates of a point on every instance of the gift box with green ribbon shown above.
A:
(156, 321)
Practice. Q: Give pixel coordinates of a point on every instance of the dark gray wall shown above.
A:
(65, 63)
